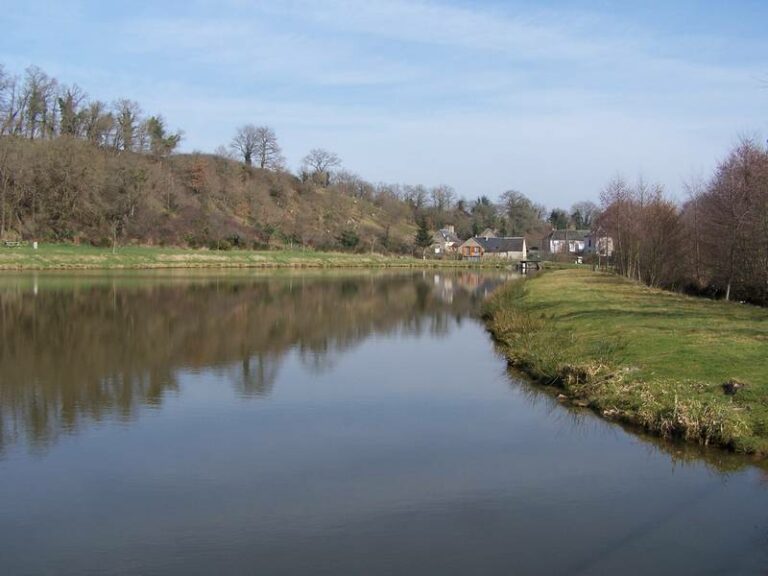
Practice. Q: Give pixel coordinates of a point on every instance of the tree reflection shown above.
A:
(80, 351)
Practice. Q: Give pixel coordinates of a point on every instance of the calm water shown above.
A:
(325, 424)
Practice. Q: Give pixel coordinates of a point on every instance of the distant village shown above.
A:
(569, 245)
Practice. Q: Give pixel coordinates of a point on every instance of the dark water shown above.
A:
(325, 424)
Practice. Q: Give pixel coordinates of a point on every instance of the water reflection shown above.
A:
(260, 441)
(80, 349)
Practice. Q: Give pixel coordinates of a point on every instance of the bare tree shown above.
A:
(583, 214)
(443, 197)
(614, 219)
(245, 142)
(691, 215)
(351, 184)
(98, 123)
(320, 161)
(646, 229)
(37, 106)
(224, 152)
(735, 211)
(415, 196)
(267, 150)
(8, 85)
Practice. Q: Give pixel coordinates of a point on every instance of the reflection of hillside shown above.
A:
(74, 355)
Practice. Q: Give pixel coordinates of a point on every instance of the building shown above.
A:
(445, 241)
(565, 241)
(597, 243)
(481, 247)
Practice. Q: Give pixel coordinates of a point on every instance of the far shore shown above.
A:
(83, 257)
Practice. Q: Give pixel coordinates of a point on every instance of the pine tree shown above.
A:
(423, 236)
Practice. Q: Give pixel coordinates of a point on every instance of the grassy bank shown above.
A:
(67, 257)
(641, 356)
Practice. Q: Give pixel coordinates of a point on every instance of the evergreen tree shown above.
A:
(423, 236)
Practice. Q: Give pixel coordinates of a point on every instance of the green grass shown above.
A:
(640, 355)
(65, 256)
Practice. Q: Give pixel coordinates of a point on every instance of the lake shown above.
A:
(326, 423)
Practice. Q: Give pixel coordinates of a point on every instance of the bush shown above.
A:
(235, 241)
(102, 242)
(349, 239)
(222, 244)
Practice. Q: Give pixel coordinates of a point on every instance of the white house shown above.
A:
(598, 243)
(565, 241)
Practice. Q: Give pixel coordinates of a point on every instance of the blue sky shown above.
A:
(549, 98)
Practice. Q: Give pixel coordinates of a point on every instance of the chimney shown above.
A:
(450, 229)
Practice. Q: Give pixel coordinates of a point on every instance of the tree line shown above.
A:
(38, 106)
(74, 168)
(77, 169)
(715, 242)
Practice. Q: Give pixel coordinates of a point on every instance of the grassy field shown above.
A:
(67, 257)
(641, 356)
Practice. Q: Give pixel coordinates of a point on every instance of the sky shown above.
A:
(549, 98)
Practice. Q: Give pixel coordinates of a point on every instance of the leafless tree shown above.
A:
(415, 196)
(317, 165)
(351, 184)
(245, 142)
(224, 152)
(443, 197)
(98, 123)
(8, 85)
(583, 213)
(646, 229)
(320, 161)
(267, 149)
(735, 210)
(37, 103)
(691, 215)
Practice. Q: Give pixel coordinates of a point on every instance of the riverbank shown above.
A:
(70, 257)
(641, 356)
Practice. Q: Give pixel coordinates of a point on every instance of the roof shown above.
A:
(568, 234)
(446, 235)
(489, 244)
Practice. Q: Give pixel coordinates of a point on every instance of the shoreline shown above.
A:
(62, 257)
(600, 342)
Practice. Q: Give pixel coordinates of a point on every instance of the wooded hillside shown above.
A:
(76, 169)
(66, 189)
